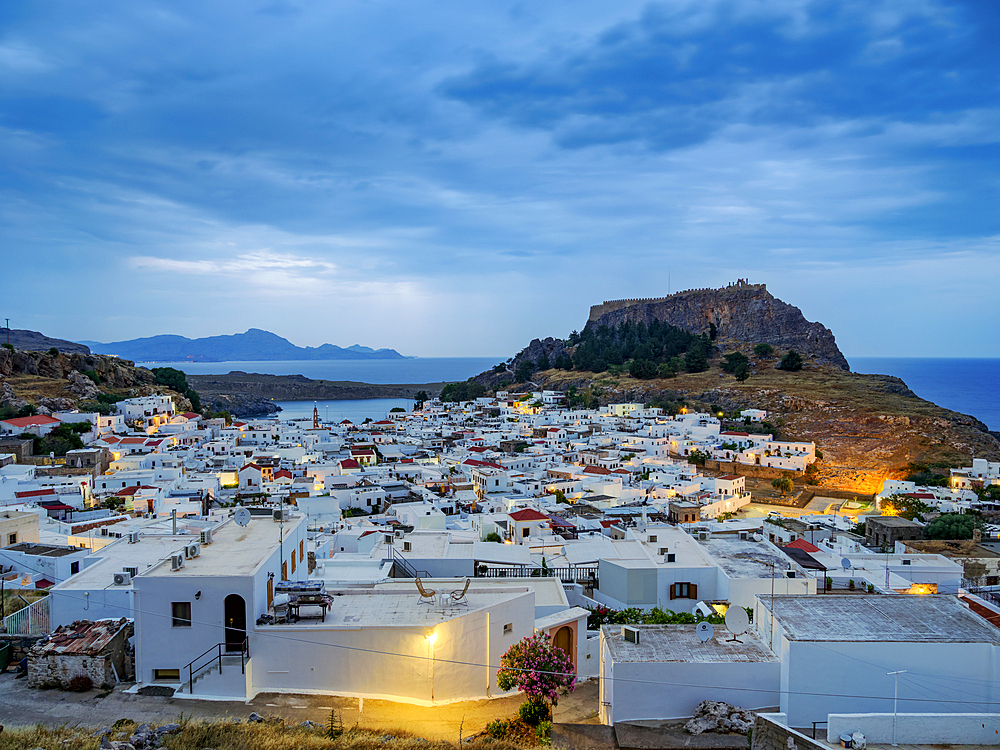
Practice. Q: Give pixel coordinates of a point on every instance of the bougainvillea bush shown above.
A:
(537, 668)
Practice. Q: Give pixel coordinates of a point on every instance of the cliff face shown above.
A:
(742, 314)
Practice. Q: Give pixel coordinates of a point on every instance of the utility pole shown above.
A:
(8, 329)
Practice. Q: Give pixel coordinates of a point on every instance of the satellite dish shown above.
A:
(845, 564)
(705, 631)
(241, 516)
(737, 621)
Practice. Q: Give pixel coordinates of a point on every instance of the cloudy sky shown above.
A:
(454, 178)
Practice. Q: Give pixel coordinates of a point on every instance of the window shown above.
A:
(180, 613)
(293, 562)
(526, 531)
(284, 570)
(74, 567)
(508, 628)
(671, 557)
(11, 539)
(170, 675)
(652, 538)
(302, 553)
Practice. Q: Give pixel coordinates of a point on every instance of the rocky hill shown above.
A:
(53, 382)
(741, 313)
(249, 394)
(868, 427)
(33, 341)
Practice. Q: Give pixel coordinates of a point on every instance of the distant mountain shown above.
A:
(33, 341)
(254, 345)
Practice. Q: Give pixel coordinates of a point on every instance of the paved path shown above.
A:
(20, 705)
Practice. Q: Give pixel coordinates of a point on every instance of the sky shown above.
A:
(454, 179)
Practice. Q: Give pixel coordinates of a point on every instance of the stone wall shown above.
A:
(20, 646)
(769, 734)
(750, 470)
(596, 311)
(59, 669)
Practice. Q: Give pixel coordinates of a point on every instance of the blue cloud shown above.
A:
(669, 80)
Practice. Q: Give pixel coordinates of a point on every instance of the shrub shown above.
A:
(763, 350)
(53, 351)
(493, 537)
(81, 684)
(543, 732)
(93, 376)
(792, 361)
(534, 711)
(8, 346)
(536, 668)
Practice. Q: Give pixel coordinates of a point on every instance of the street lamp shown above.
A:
(895, 698)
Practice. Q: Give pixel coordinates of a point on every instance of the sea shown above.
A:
(969, 386)
(409, 370)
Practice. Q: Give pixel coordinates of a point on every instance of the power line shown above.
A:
(658, 683)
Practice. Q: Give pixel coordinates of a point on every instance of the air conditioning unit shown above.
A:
(122, 579)
(399, 534)
(176, 561)
(281, 514)
(192, 550)
(206, 536)
(704, 536)
(630, 634)
(133, 537)
(131, 571)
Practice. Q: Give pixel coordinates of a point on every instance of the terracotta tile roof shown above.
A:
(34, 493)
(191, 415)
(802, 544)
(349, 463)
(735, 434)
(528, 514)
(730, 477)
(36, 421)
(596, 470)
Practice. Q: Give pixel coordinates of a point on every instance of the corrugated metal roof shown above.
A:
(85, 637)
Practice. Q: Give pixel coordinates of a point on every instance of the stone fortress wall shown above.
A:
(596, 311)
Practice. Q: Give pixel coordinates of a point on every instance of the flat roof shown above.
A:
(935, 618)
(235, 550)
(746, 558)
(680, 643)
(43, 550)
(386, 607)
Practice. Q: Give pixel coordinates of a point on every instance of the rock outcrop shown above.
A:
(112, 371)
(742, 314)
(716, 716)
